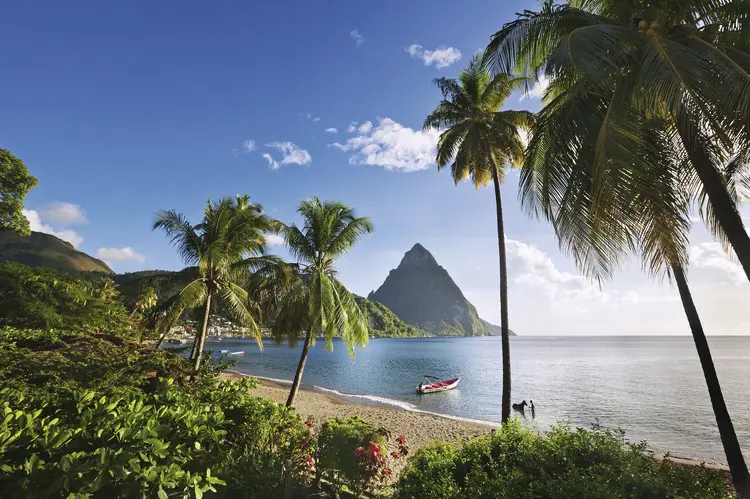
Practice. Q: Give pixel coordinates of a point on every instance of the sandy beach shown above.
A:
(418, 428)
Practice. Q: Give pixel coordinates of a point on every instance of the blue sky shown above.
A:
(124, 108)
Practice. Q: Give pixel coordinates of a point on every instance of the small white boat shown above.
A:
(241, 353)
(223, 351)
(437, 386)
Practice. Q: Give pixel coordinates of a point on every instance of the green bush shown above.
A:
(33, 297)
(517, 462)
(338, 444)
(159, 444)
(95, 415)
(57, 362)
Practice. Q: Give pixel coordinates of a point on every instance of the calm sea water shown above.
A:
(651, 387)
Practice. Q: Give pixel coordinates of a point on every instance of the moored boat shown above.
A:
(437, 386)
(241, 353)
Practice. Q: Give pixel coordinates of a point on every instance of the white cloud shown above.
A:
(291, 154)
(357, 37)
(249, 145)
(352, 127)
(126, 254)
(36, 224)
(63, 214)
(332, 130)
(274, 240)
(272, 164)
(391, 145)
(537, 89)
(529, 265)
(532, 266)
(441, 57)
(310, 117)
(711, 256)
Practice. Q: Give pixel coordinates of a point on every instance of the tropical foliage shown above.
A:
(518, 462)
(367, 468)
(221, 252)
(311, 300)
(632, 84)
(630, 137)
(478, 142)
(96, 415)
(32, 297)
(15, 183)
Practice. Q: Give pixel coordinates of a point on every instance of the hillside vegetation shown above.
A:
(45, 250)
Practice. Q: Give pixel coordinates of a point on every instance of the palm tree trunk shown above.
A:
(504, 328)
(161, 340)
(204, 331)
(300, 368)
(736, 461)
(722, 203)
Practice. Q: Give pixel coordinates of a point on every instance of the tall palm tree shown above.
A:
(478, 141)
(221, 253)
(146, 302)
(312, 300)
(628, 190)
(685, 62)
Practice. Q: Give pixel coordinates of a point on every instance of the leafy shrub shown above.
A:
(93, 414)
(51, 361)
(33, 297)
(165, 443)
(340, 459)
(517, 462)
(109, 446)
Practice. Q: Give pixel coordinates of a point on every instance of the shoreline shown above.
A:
(419, 427)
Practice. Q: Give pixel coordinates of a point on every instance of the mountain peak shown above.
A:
(422, 293)
(418, 256)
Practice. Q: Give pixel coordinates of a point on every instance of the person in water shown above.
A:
(531, 405)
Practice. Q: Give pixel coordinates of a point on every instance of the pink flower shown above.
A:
(359, 451)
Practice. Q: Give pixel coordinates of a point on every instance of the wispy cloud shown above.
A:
(357, 37)
(126, 254)
(310, 117)
(332, 130)
(352, 127)
(249, 145)
(711, 256)
(291, 154)
(63, 214)
(441, 57)
(36, 225)
(272, 164)
(390, 145)
(537, 89)
(274, 240)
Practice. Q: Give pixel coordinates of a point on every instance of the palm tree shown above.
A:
(146, 302)
(311, 300)
(478, 141)
(106, 289)
(625, 192)
(221, 252)
(684, 62)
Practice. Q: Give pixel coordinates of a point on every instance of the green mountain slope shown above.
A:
(422, 293)
(384, 323)
(495, 330)
(45, 250)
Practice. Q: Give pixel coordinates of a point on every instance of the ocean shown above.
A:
(651, 387)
